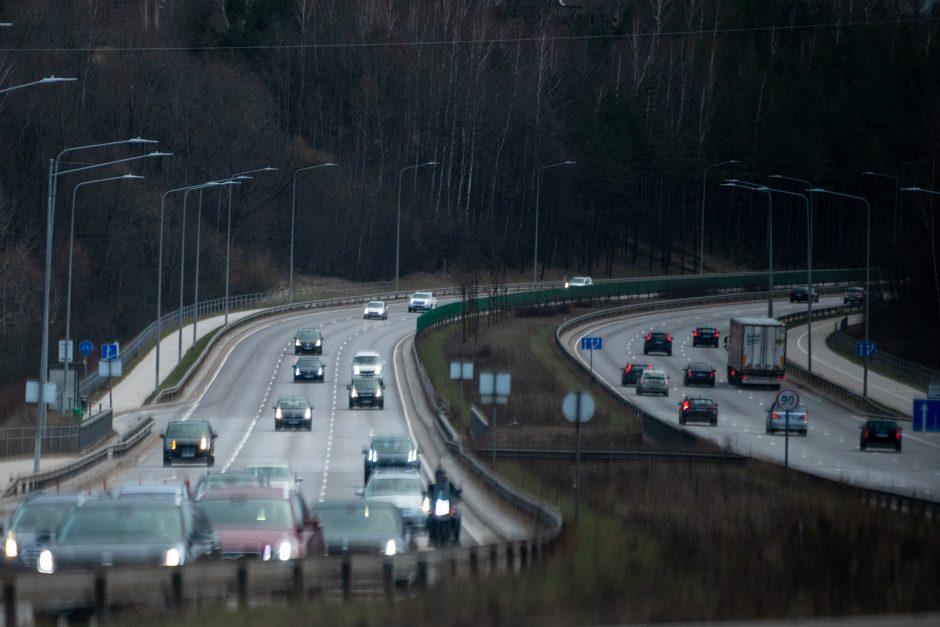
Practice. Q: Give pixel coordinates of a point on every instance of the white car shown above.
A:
(422, 301)
(367, 364)
(375, 309)
(579, 281)
(652, 382)
(403, 489)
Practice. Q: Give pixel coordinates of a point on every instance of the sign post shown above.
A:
(592, 344)
(494, 390)
(577, 407)
(787, 400)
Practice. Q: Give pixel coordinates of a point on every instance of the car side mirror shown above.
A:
(162, 436)
(360, 491)
(365, 450)
(312, 522)
(349, 386)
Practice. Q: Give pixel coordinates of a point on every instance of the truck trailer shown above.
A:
(757, 351)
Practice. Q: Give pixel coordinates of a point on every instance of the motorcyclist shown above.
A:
(442, 489)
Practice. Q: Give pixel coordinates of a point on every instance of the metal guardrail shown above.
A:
(15, 441)
(617, 455)
(902, 368)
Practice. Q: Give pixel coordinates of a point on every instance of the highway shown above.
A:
(831, 447)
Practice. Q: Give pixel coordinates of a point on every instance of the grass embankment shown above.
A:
(189, 358)
(658, 541)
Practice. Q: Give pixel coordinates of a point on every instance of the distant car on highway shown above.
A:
(653, 382)
(375, 310)
(422, 301)
(172, 492)
(801, 295)
(579, 281)
(402, 488)
(632, 371)
(104, 533)
(189, 441)
(362, 526)
(699, 373)
(293, 411)
(880, 432)
(705, 336)
(389, 452)
(309, 369)
(657, 342)
(308, 341)
(277, 475)
(854, 296)
(698, 409)
(218, 481)
(32, 524)
(367, 364)
(366, 393)
(777, 420)
(263, 523)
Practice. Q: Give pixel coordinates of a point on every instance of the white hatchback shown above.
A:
(579, 281)
(653, 382)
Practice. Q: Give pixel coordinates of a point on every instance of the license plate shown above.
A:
(189, 453)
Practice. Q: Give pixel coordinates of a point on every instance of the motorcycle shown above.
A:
(443, 524)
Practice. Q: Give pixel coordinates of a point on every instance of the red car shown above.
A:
(262, 523)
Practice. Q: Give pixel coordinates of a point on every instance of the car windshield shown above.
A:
(700, 366)
(700, 402)
(883, 425)
(422, 295)
(392, 446)
(308, 334)
(292, 403)
(358, 518)
(365, 385)
(710, 330)
(653, 376)
(311, 362)
(385, 486)
(376, 304)
(211, 482)
(365, 359)
(187, 430)
(140, 524)
(271, 472)
(658, 335)
(257, 513)
(36, 517)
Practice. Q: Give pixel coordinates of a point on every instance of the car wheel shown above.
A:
(714, 422)
(166, 460)
(713, 383)
(382, 405)
(803, 433)
(277, 427)
(666, 393)
(623, 380)
(769, 430)
(669, 352)
(645, 352)
(898, 448)
(210, 461)
(639, 391)
(310, 426)
(681, 420)
(861, 446)
(350, 404)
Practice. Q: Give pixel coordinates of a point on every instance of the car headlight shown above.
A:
(285, 550)
(318, 343)
(353, 393)
(412, 455)
(173, 557)
(308, 414)
(10, 549)
(355, 369)
(46, 563)
(277, 413)
(378, 371)
(297, 371)
(373, 455)
(390, 548)
(296, 342)
(320, 371)
(441, 507)
(426, 505)
(172, 445)
(378, 393)
(203, 443)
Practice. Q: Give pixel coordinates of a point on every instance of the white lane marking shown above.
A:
(329, 436)
(257, 416)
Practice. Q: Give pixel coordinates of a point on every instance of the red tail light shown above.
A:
(865, 434)
(668, 338)
(897, 434)
(775, 415)
(716, 333)
(711, 375)
(648, 336)
(685, 405)
(695, 333)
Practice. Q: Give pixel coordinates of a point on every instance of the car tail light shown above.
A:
(774, 415)
(897, 434)
(805, 417)
(628, 368)
(685, 405)
(716, 334)
(648, 336)
(695, 333)
(865, 434)
(711, 375)
(668, 338)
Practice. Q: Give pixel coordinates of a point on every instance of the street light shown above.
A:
(50, 220)
(701, 230)
(228, 236)
(809, 261)
(754, 187)
(538, 189)
(49, 80)
(68, 297)
(897, 194)
(819, 190)
(293, 211)
(398, 218)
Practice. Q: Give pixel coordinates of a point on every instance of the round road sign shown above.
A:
(85, 348)
(787, 400)
(578, 406)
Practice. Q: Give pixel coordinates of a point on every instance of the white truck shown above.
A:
(757, 351)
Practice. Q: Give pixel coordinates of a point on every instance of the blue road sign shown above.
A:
(866, 348)
(591, 343)
(109, 351)
(926, 414)
(85, 348)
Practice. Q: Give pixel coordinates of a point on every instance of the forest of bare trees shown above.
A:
(642, 94)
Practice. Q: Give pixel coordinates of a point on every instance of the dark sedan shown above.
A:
(699, 373)
(881, 432)
(705, 336)
(657, 342)
(189, 441)
(309, 369)
(632, 371)
(698, 409)
(389, 453)
(363, 526)
(104, 533)
(308, 341)
(366, 393)
(34, 519)
(293, 411)
(263, 523)
(802, 295)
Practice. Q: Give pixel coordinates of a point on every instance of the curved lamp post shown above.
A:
(293, 211)
(538, 189)
(68, 297)
(49, 80)
(701, 230)
(819, 190)
(398, 215)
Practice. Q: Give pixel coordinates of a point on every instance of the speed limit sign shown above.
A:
(787, 400)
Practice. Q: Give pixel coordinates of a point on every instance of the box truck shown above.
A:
(757, 351)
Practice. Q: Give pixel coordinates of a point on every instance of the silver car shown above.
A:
(778, 420)
(403, 489)
(652, 382)
(375, 309)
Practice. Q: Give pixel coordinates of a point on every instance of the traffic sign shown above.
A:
(86, 348)
(866, 349)
(110, 351)
(591, 343)
(787, 400)
(926, 416)
(578, 406)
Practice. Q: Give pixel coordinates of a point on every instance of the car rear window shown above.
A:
(653, 376)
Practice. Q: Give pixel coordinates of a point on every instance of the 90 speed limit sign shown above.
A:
(787, 400)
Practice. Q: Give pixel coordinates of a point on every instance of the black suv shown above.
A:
(293, 411)
(308, 341)
(705, 336)
(309, 368)
(880, 432)
(189, 441)
(389, 453)
(699, 373)
(657, 342)
(632, 371)
(366, 393)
